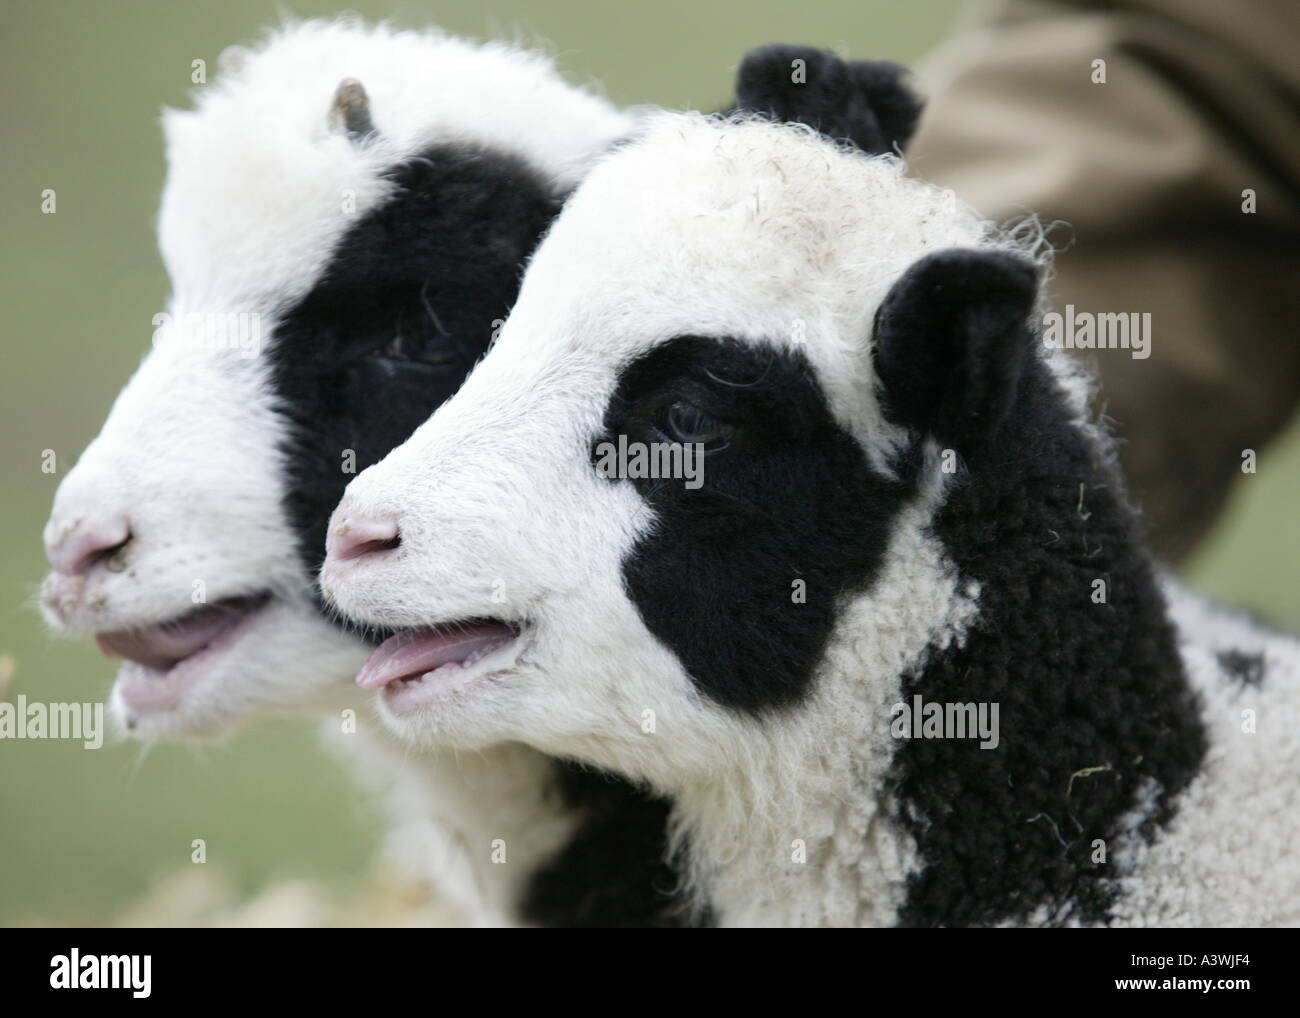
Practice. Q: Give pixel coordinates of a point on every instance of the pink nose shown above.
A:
(74, 552)
(354, 536)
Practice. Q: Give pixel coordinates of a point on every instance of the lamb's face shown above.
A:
(713, 285)
(339, 258)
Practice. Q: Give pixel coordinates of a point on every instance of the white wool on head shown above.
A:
(261, 185)
(800, 237)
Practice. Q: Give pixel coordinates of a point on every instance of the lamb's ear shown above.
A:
(866, 102)
(884, 88)
(951, 341)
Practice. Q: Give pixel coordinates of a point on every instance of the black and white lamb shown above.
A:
(769, 497)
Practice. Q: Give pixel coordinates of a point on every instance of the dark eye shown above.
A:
(688, 424)
(439, 350)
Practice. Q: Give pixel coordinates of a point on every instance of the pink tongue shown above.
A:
(413, 652)
(162, 646)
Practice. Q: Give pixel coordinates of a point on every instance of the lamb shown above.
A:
(904, 495)
(344, 219)
(346, 213)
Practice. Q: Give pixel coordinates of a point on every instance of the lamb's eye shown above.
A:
(686, 423)
(438, 351)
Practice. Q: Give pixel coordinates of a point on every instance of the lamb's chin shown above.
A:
(275, 657)
(444, 684)
(159, 695)
(468, 724)
(471, 714)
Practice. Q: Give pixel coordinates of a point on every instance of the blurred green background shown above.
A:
(84, 835)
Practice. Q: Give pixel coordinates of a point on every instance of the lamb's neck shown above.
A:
(761, 850)
(476, 825)
(797, 826)
(1073, 645)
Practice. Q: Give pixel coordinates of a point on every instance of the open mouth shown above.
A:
(167, 655)
(418, 666)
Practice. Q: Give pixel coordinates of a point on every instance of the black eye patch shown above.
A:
(406, 306)
(742, 577)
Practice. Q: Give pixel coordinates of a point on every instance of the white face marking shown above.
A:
(260, 190)
(183, 459)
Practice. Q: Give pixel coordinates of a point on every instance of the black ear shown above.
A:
(951, 341)
(866, 102)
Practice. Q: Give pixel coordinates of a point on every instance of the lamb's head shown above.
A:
(344, 221)
(816, 326)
